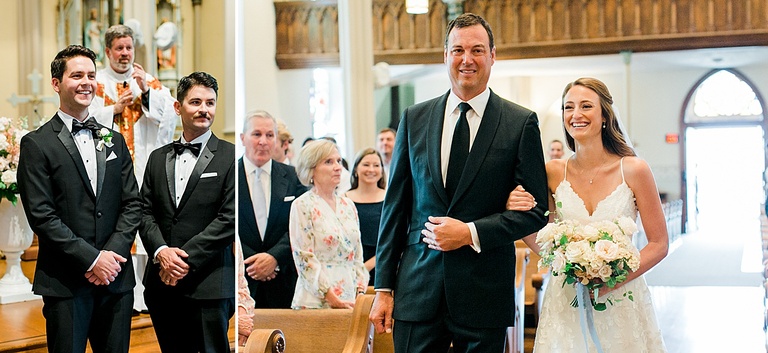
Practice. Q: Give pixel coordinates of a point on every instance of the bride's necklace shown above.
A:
(596, 171)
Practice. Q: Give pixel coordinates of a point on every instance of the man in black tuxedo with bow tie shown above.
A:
(445, 261)
(263, 214)
(81, 198)
(188, 228)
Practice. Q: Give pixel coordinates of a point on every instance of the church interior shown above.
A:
(687, 78)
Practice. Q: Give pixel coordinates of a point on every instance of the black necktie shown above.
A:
(89, 124)
(459, 151)
(192, 147)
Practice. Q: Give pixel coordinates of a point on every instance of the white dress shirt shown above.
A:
(185, 164)
(474, 117)
(86, 146)
(266, 182)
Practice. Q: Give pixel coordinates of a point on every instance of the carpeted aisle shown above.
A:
(713, 257)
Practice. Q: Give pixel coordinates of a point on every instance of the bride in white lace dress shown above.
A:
(602, 181)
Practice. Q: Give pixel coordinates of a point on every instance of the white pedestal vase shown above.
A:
(15, 237)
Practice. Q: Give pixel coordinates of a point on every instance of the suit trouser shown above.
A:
(186, 325)
(436, 335)
(104, 318)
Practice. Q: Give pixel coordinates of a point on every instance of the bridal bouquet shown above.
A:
(597, 254)
(10, 139)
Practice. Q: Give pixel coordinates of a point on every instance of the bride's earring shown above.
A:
(603, 124)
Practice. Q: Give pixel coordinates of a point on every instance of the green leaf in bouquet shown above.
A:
(600, 306)
(563, 240)
(559, 204)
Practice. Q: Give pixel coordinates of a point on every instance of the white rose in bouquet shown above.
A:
(606, 250)
(591, 233)
(578, 252)
(559, 262)
(8, 177)
(627, 225)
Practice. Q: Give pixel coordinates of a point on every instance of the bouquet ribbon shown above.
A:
(585, 316)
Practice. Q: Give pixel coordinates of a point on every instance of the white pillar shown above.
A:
(356, 57)
(30, 55)
(197, 39)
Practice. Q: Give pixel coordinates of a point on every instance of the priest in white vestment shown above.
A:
(133, 102)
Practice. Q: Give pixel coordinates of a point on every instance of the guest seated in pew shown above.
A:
(325, 234)
(369, 182)
(245, 303)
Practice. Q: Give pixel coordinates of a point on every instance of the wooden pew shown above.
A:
(318, 330)
(535, 280)
(516, 334)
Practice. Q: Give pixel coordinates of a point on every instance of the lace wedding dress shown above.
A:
(624, 327)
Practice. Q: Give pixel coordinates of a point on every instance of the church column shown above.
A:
(356, 57)
(30, 53)
(144, 12)
(196, 41)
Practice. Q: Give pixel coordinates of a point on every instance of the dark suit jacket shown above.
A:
(203, 224)
(286, 187)
(72, 223)
(478, 287)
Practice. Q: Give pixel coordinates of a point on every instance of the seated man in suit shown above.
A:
(188, 227)
(263, 229)
(81, 199)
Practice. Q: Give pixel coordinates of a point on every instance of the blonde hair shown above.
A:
(309, 156)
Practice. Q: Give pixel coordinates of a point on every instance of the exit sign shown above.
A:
(672, 138)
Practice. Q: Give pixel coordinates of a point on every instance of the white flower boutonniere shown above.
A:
(105, 138)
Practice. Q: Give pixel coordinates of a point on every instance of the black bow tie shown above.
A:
(192, 147)
(89, 124)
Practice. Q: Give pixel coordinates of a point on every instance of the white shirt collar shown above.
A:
(478, 103)
(67, 119)
(125, 77)
(202, 139)
(250, 167)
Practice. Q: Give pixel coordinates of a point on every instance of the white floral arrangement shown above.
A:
(597, 254)
(105, 138)
(10, 139)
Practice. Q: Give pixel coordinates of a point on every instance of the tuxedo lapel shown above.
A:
(434, 140)
(485, 135)
(205, 157)
(69, 143)
(246, 216)
(101, 168)
(279, 189)
(170, 174)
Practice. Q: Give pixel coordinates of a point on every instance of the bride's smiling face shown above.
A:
(582, 115)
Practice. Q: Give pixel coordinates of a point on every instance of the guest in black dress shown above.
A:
(368, 188)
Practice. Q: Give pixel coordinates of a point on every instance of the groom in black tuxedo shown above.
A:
(269, 265)
(81, 199)
(446, 254)
(188, 228)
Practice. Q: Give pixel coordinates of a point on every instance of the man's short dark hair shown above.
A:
(116, 32)
(469, 20)
(59, 63)
(197, 78)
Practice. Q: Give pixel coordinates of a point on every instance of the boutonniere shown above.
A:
(105, 138)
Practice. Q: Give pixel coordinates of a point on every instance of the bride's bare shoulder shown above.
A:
(556, 169)
(636, 169)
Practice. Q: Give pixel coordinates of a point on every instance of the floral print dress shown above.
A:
(326, 249)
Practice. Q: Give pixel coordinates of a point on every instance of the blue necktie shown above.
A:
(459, 151)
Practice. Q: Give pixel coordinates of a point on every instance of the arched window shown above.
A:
(724, 153)
(724, 97)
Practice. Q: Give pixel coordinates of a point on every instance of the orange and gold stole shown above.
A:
(130, 116)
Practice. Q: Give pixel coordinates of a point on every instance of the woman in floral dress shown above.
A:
(325, 234)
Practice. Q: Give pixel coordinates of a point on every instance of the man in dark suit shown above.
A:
(188, 228)
(446, 255)
(81, 199)
(263, 228)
